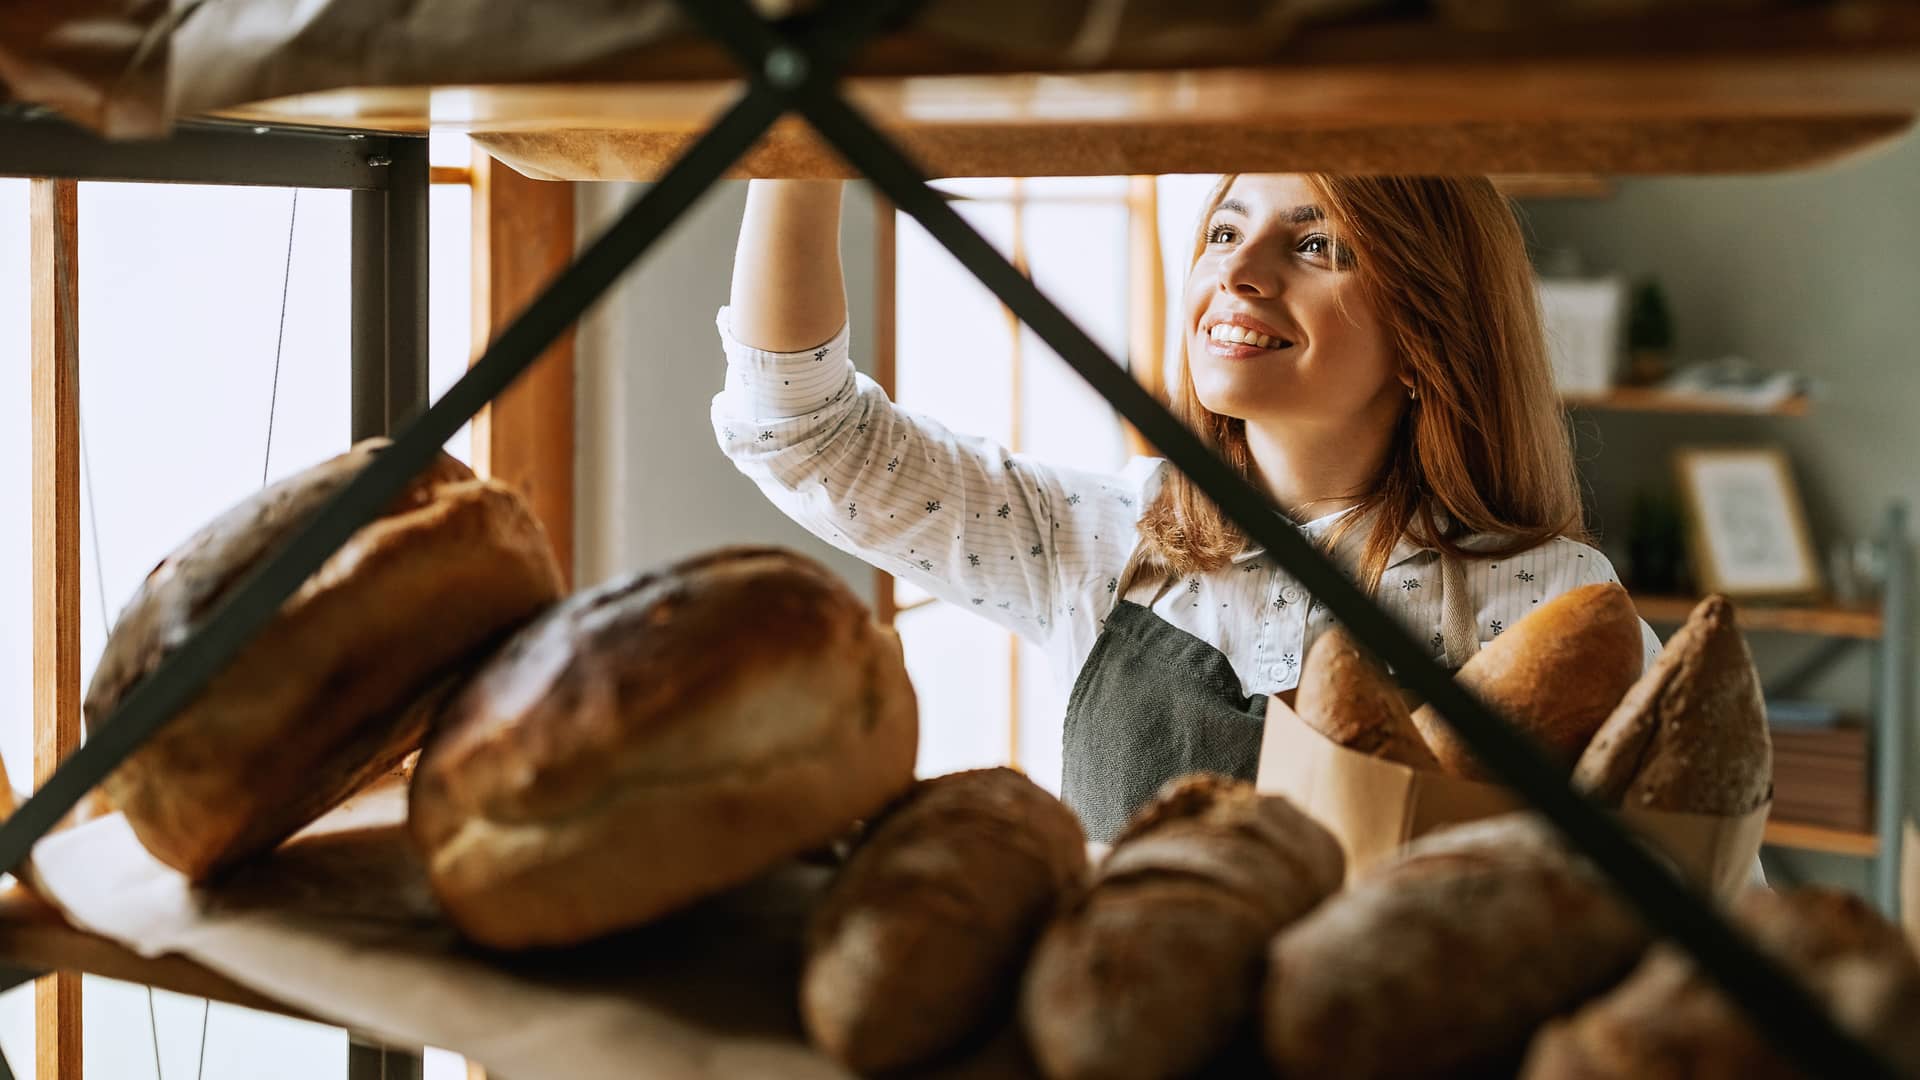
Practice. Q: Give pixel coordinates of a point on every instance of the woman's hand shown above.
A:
(788, 292)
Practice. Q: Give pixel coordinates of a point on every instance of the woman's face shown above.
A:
(1270, 268)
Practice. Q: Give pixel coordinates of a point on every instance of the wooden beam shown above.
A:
(1146, 300)
(522, 237)
(53, 252)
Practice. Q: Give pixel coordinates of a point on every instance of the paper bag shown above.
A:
(1374, 807)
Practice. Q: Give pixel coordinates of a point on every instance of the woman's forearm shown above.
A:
(788, 292)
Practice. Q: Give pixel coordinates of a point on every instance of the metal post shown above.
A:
(369, 317)
(1890, 719)
(406, 281)
(368, 1060)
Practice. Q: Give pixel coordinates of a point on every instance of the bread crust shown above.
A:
(319, 701)
(1346, 697)
(921, 939)
(1667, 1022)
(1691, 735)
(1556, 674)
(657, 739)
(1443, 962)
(1153, 970)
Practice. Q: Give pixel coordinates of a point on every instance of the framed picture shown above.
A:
(1747, 531)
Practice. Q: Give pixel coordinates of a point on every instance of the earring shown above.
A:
(1413, 392)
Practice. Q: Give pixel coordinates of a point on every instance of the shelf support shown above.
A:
(1890, 718)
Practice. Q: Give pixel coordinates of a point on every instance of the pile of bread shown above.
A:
(594, 762)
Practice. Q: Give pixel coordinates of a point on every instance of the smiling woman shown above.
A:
(1366, 350)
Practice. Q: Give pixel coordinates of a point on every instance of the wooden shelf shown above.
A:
(1821, 838)
(1830, 620)
(1645, 399)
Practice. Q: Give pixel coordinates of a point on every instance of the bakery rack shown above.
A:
(1773, 92)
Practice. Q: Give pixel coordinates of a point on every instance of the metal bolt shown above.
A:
(786, 67)
(378, 160)
(356, 135)
(261, 129)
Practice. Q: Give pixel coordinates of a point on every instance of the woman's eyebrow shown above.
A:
(1234, 205)
(1304, 215)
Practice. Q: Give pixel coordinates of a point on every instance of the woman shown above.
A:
(1367, 350)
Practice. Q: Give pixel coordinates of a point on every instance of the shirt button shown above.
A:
(1290, 594)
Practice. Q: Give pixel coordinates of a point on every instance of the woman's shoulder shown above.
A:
(1554, 566)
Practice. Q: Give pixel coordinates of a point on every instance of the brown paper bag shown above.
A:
(1375, 807)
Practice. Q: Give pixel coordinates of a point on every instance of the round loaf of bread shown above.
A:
(655, 740)
(321, 700)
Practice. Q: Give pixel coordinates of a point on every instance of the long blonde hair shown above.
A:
(1485, 443)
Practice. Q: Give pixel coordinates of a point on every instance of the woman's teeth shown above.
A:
(1240, 335)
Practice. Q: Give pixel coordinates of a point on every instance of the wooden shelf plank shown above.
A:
(1820, 838)
(1830, 620)
(1647, 399)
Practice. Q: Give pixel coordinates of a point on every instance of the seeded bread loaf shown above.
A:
(1152, 970)
(318, 703)
(1691, 735)
(1556, 674)
(921, 939)
(657, 739)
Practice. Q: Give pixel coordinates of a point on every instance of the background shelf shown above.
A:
(1648, 399)
(1829, 620)
(1820, 838)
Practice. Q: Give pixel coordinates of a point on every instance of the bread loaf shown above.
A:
(1346, 697)
(1555, 674)
(921, 939)
(1443, 962)
(1691, 735)
(1667, 1022)
(657, 739)
(318, 702)
(1154, 968)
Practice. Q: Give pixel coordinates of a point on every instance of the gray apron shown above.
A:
(1153, 702)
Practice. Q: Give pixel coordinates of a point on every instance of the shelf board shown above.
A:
(1821, 838)
(1647, 399)
(1830, 620)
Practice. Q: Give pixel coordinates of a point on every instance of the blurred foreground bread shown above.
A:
(1691, 735)
(658, 739)
(1443, 962)
(318, 702)
(1557, 674)
(1154, 968)
(1667, 1022)
(921, 939)
(1346, 697)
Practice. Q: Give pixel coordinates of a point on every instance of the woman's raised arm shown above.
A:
(788, 292)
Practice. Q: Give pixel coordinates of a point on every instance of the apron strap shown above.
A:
(1458, 618)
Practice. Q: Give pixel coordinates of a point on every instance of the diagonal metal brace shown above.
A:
(1797, 1022)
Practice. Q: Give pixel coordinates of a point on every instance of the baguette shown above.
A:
(1555, 674)
(1444, 961)
(920, 941)
(1153, 970)
(1346, 697)
(1691, 735)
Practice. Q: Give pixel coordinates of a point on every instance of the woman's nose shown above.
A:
(1248, 271)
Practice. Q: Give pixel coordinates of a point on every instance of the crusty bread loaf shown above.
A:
(1556, 674)
(657, 739)
(1346, 697)
(1667, 1022)
(318, 702)
(921, 940)
(1691, 735)
(1443, 962)
(1153, 969)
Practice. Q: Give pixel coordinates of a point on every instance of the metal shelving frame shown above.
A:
(387, 176)
(791, 66)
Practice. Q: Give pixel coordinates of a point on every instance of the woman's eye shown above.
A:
(1222, 234)
(1316, 245)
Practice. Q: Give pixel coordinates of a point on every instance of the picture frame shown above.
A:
(1747, 533)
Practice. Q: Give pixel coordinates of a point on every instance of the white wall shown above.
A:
(653, 485)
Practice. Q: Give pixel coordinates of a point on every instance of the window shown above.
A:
(986, 697)
(187, 371)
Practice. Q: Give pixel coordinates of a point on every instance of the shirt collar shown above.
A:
(1319, 527)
